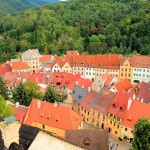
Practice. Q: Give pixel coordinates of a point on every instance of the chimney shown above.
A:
(76, 82)
(129, 103)
(82, 86)
(89, 88)
(142, 100)
(134, 96)
(17, 105)
(55, 104)
(38, 104)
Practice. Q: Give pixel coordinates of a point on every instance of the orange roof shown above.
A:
(130, 60)
(120, 101)
(123, 85)
(107, 78)
(59, 117)
(88, 100)
(137, 110)
(5, 67)
(19, 65)
(45, 58)
(141, 62)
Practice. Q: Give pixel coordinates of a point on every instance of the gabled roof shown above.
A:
(129, 59)
(27, 134)
(20, 111)
(104, 101)
(141, 62)
(137, 110)
(79, 93)
(36, 77)
(91, 139)
(144, 92)
(47, 78)
(88, 100)
(45, 58)
(119, 104)
(55, 116)
(5, 67)
(123, 85)
(27, 54)
(48, 142)
(19, 65)
(10, 76)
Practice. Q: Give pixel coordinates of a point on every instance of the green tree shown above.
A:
(32, 90)
(5, 110)
(21, 95)
(141, 139)
(50, 94)
(3, 88)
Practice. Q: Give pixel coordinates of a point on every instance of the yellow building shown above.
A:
(126, 68)
(53, 118)
(114, 125)
(100, 108)
(31, 57)
(66, 68)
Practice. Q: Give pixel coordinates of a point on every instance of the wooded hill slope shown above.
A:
(11, 6)
(93, 26)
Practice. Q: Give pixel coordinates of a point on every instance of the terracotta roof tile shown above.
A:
(19, 65)
(123, 85)
(36, 77)
(60, 116)
(137, 110)
(119, 104)
(91, 139)
(88, 100)
(45, 58)
(104, 101)
(5, 67)
(141, 62)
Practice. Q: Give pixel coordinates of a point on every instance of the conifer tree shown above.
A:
(50, 94)
(21, 95)
(3, 88)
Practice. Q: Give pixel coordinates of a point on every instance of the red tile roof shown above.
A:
(104, 101)
(123, 85)
(107, 78)
(19, 65)
(20, 111)
(65, 79)
(137, 110)
(59, 117)
(45, 58)
(141, 62)
(5, 67)
(36, 77)
(88, 100)
(130, 60)
(120, 101)
(81, 82)
(144, 91)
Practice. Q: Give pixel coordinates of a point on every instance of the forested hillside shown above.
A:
(93, 26)
(11, 6)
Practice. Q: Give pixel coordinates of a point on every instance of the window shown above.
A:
(43, 126)
(132, 131)
(115, 132)
(126, 129)
(110, 122)
(118, 126)
(114, 124)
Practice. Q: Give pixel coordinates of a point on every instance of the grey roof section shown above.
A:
(79, 93)
(27, 54)
(10, 119)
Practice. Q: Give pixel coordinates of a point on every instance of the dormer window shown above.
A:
(48, 117)
(87, 142)
(137, 63)
(114, 106)
(57, 120)
(121, 109)
(80, 96)
(42, 115)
